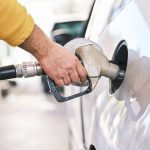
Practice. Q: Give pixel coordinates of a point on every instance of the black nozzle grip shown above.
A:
(54, 89)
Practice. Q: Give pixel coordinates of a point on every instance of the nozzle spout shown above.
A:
(96, 63)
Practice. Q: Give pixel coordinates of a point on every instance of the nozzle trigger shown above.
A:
(54, 89)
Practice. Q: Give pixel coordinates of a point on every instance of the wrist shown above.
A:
(38, 44)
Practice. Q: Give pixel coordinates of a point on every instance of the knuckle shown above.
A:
(72, 64)
(75, 78)
(75, 61)
(70, 68)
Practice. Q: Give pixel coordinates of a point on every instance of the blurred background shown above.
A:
(30, 118)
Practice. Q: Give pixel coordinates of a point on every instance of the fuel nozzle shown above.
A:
(95, 62)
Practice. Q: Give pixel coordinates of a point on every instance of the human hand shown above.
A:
(62, 66)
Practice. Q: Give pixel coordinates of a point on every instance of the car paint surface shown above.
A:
(120, 121)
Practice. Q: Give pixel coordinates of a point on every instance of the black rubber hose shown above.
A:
(7, 72)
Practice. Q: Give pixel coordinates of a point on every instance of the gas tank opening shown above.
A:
(120, 58)
(92, 147)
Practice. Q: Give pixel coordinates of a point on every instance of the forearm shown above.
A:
(38, 44)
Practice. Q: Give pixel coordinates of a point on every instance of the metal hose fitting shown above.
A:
(28, 69)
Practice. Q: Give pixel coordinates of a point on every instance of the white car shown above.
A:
(114, 116)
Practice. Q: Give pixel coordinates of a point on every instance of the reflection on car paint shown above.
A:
(116, 126)
(136, 85)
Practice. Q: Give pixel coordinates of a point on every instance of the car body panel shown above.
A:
(120, 121)
(76, 131)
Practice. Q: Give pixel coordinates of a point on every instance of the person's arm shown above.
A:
(58, 62)
(15, 23)
(17, 28)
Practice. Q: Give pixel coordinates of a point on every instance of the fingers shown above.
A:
(63, 80)
(76, 75)
(81, 72)
(72, 77)
(67, 80)
(59, 82)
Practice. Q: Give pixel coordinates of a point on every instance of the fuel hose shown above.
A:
(7, 72)
(26, 69)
